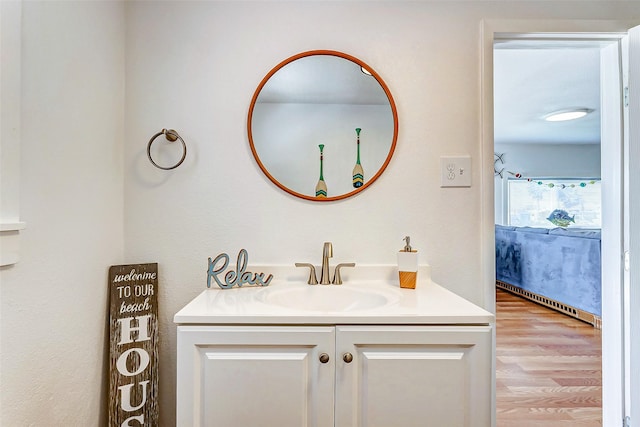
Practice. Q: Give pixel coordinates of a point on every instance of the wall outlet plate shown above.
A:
(455, 171)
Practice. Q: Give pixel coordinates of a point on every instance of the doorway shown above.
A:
(548, 365)
(607, 33)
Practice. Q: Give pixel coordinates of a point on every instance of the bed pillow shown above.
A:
(533, 230)
(585, 233)
(505, 227)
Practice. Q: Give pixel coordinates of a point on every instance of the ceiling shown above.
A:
(535, 78)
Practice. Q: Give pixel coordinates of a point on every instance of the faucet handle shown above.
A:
(312, 272)
(337, 280)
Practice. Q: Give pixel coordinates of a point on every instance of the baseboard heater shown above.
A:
(569, 310)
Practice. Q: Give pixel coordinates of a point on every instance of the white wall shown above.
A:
(10, 25)
(54, 301)
(193, 66)
(542, 161)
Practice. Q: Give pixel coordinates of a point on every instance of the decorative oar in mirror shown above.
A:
(318, 98)
(358, 172)
(321, 186)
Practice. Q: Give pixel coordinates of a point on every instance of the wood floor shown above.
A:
(548, 367)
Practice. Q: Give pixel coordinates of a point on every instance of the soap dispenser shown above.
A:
(408, 265)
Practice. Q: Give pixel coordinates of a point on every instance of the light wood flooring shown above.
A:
(548, 367)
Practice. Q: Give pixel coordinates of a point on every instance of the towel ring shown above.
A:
(171, 136)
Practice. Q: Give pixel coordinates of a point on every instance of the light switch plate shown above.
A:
(455, 171)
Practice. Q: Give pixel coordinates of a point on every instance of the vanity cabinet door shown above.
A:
(230, 376)
(413, 376)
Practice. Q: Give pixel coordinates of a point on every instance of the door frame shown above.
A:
(491, 30)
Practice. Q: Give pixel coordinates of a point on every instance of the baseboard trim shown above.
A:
(569, 310)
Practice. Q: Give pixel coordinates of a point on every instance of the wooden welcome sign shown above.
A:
(133, 326)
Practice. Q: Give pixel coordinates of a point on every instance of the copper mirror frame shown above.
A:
(382, 84)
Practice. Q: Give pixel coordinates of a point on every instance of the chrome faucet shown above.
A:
(327, 252)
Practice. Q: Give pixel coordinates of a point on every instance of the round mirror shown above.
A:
(322, 125)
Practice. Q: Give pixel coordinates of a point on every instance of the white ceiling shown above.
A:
(535, 78)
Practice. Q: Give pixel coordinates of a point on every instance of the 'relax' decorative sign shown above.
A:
(238, 277)
(133, 326)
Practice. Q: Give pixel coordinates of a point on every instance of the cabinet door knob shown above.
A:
(347, 357)
(324, 358)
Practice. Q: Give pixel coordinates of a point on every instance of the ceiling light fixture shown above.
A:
(564, 115)
(364, 70)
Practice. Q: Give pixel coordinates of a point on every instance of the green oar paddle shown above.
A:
(358, 173)
(321, 187)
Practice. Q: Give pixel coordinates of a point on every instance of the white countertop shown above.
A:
(428, 304)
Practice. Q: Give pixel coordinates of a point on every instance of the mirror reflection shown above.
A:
(322, 125)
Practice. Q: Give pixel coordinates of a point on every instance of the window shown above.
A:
(532, 201)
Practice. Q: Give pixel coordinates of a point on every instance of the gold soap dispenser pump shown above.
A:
(408, 265)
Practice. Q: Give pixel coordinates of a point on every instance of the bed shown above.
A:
(559, 268)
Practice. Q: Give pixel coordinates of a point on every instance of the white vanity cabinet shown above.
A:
(425, 359)
(255, 376)
(413, 376)
(343, 376)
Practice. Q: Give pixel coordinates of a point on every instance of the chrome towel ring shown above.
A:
(171, 136)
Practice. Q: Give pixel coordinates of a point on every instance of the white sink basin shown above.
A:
(330, 298)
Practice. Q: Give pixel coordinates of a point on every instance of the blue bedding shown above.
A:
(561, 264)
